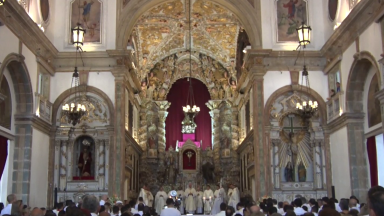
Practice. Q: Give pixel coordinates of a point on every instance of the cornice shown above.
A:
(18, 21)
(98, 61)
(243, 145)
(358, 20)
(343, 120)
(284, 60)
(35, 121)
(133, 143)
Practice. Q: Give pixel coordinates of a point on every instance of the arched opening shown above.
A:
(5, 105)
(177, 96)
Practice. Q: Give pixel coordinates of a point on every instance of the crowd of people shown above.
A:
(91, 206)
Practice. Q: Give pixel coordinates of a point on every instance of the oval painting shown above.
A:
(44, 8)
(332, 9)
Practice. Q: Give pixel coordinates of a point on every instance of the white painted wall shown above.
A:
(104, 81)
(318, 83)
(380, 158)
(39, 169)
(11, 45)
(273, 80)
(30, 62)
(340, 163)
(58, 30)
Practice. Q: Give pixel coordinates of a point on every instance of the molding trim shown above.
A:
(18, 21)
(35, 121)
(132, 142)
(7, 134)
(374, 132)
(358, 20)
(342, 121)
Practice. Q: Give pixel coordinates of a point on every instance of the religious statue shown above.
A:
(84, 162)
(144, 89)
(289, 173)
(153, 82)
(170, 169)
(302, 172)
(207, 170)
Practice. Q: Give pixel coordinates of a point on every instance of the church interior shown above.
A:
(276, 97)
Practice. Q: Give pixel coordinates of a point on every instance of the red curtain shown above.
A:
(178, 98)
(189, 163)
(372, 157)
(3, 153)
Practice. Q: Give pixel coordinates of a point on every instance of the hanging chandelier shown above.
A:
(75, 110)
(2, 2)
(190, 109)
(307, 108)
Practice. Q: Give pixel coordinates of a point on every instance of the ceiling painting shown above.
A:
(164, 31)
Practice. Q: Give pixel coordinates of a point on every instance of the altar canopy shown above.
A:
(177, 96)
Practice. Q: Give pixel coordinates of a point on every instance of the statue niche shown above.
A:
(85, 154)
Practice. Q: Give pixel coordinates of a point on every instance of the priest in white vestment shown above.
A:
(208, 194)
(199, 200)
(181, 196)
(218, 199)
(234, 196)
(190, 194)
(160, 199)
(147, 196)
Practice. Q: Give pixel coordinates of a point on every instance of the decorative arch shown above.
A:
(357, 77)
(289, 88)
(21, 82)
(67, 93)
(248, 16)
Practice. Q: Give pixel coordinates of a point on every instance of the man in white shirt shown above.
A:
(223, 207)
(59, 207)
(170, 210)
(239, 208)
(298, 210)
(91, 203)
(103, 199)
(353, 204)
(218, 199)
(132, 204)
(11, 198)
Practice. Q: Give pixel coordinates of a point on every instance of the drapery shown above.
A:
(3, 154)
(178, 98)
(372, 157)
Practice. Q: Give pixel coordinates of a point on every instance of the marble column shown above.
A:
(106, 169)
(56, 171)
(213, 105)
(63, 165)
(275, 162)
(116, 183)
(162, 113)
(235, 128)
(261, 149)
(143, 130)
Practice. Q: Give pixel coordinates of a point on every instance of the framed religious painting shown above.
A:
(44, 10)
(87, 13)
(332, 9)
(290, 15)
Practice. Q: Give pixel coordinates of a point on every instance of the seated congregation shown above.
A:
(90, 205)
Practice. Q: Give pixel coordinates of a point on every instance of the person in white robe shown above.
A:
(147, 196)
(208, 194)
(218, 199)
(199, 200)
(190, 194)
(234, 196)
(160, 199)
(181, 195)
